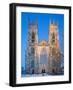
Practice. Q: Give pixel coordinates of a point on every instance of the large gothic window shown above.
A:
(43, 56)
(32, 50)
(32, 63)
(33, 36)
(53, 38)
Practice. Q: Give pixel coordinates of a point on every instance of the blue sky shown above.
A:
(43, 28)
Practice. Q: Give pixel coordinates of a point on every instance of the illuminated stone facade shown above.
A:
(43, 56)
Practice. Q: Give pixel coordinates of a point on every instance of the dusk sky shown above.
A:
(43, 28)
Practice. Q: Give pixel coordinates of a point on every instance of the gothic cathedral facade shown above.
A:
(43, 56)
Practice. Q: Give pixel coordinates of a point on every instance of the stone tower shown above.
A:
(31, 48)
(54, 55)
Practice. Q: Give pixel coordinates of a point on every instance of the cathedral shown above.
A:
(43, 56)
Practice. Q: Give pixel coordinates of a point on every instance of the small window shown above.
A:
(33, 40)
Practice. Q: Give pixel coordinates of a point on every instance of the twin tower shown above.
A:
(43, 55)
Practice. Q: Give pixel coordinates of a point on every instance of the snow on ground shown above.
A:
(38, 75)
